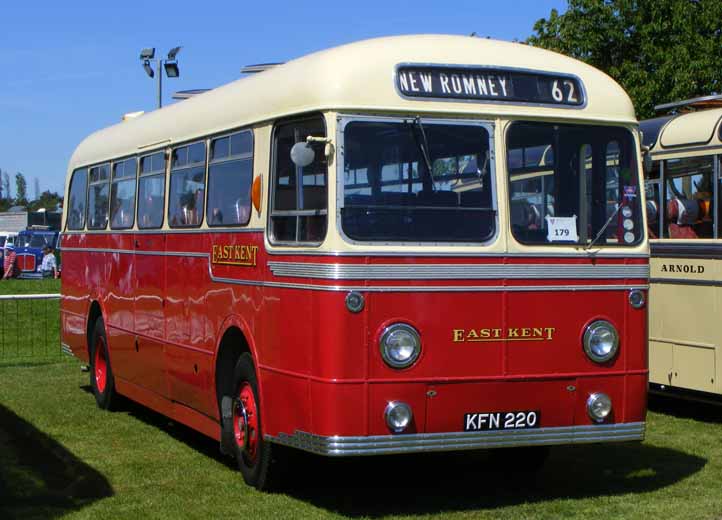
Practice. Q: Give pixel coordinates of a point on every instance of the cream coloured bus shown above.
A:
(683, 214)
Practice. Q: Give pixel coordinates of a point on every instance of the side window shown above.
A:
(122, 194)
(689, 198)
(230, 174)
(77, 194)
(98, 197)
(187, 185)
(151, 191)
(299, 200)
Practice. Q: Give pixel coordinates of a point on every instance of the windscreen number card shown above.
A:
(562, 229)
(522, 420)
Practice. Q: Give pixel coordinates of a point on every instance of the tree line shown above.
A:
(47, 199)
(658, 50)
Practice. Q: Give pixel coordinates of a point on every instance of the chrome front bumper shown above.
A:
(390, 444)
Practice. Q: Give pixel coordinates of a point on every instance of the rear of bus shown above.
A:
(483, 279)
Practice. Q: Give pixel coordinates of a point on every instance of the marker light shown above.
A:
(601, 341)
(400, 345)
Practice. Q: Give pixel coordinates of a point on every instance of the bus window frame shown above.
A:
(169, 166)
(109, 163)
(250, 156)
(300, 118)
(85, 206)
(113, 180)
(166, 151)
(344, 119)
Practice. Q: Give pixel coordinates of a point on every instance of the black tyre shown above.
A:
(256, 458)
(101, 374)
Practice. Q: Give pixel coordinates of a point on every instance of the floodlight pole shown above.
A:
(159, 68)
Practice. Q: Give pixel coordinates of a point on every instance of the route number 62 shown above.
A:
(558, 92)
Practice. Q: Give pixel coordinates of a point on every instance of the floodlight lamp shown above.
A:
(148, 68)
(171, 69)
(147, 53)
(172, 53)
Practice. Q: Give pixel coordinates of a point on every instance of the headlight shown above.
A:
(400, 345)
(398, 416)
(601, 341)
(599, 406)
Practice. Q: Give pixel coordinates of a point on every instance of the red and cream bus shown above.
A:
(407, 244)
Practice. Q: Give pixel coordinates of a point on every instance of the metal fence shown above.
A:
(29, 328)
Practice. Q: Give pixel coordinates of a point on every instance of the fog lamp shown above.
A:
(601, 341)
(599, 406)
(400, 345)
(398, 416)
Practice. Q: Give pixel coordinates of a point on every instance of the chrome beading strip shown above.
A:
(66, 349)
(455, 271)
(391, 444)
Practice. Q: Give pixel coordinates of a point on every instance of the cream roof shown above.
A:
(691, 129)
(353, 77)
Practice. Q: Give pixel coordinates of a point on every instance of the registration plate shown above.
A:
(482, 421)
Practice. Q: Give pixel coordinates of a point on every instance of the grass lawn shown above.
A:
(60, 455)
(30, 331)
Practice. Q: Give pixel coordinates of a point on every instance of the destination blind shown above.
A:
(489, 84)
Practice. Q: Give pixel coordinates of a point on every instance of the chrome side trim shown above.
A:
(430, 288)
(390, 444)
(455, 271)
(66, 349)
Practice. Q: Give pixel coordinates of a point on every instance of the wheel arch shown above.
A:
(234, 340)
(94, 312)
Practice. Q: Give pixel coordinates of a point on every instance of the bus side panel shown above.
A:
(74, 297)
(119, 320)
(189, 350)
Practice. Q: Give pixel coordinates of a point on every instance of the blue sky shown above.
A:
(69, 68)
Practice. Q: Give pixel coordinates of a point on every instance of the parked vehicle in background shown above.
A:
(29, 250)
(684, 217)
(360, 252)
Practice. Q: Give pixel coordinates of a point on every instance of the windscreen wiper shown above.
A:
(424, 146)
(606, 225)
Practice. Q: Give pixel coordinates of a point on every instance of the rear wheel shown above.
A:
(255, 456)
(101, 374)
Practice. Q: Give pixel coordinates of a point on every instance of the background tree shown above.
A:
(6, 185)
(21, 190)
(658, 50)
(48, 200)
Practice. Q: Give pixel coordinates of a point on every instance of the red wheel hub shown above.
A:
(245, 421)
(101, 365)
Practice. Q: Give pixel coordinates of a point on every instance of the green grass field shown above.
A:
(30, 331)
(61, 456)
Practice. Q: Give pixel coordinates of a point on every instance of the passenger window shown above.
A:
(689, 198)
(77, 195)
(299, 200)
(187, 186)
(151, 191)
(122, 194)
(230, 174)
(98, 197)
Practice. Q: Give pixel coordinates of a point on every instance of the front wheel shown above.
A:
(255, 456)
(101, 374)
